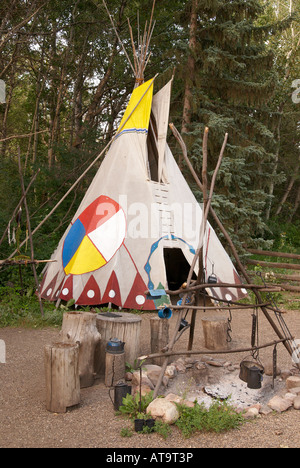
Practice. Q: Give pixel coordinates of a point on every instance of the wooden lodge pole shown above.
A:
(233, 249)
(196, 257)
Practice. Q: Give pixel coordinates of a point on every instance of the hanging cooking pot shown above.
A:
(212, 279)
(245, 367)
(115, 346)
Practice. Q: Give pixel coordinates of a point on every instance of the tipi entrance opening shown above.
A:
(177, 268)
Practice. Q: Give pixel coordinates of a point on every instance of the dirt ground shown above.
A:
(25, 422)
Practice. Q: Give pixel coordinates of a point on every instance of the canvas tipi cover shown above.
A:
(137, 228)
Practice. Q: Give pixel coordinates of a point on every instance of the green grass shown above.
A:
(20, 308)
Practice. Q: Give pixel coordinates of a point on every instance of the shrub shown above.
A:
(219, 417)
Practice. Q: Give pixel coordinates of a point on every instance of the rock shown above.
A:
(165, 381)
(290, 396)
(251, 413)
(153, 375)
(128, 376)
(145, 389)
(171, 372)
(151, 367)
(279, 404)
(285, 374)
(265, 410)
(189, 404)
(145, 380)
(180, 401)
(292, 382)
(215, 363)
(164, 409)
(174, 398)
(297, 403)
(256, 406)
(295, 391)
(189, 360)
(180, 368)
(200, 366)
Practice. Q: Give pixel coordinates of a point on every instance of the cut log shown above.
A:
(124, 326)
(287, 266)
(215, 333)
(80, 327)
(114, 369)
(159, 337)
(62, 376)
(274, 254)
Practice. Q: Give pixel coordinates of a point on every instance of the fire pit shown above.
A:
(206, 380)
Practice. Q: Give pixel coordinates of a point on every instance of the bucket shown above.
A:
(165, 313)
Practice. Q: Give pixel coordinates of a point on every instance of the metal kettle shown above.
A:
(115, 346)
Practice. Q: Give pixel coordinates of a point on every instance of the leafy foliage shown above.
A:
(220, 417)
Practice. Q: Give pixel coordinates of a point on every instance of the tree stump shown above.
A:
(62, 376)
(114, 369)
(80, 327)
(215, 333)
(159, 337)
(124, 326)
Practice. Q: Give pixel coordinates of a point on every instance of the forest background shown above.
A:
(65, 82)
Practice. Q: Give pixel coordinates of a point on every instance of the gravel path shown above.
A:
(25, 423)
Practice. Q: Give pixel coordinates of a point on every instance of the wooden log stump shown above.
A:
(215, 333)
(159, 337)
(80, 327)
(114, 369)
(62, 376)
(124, 326)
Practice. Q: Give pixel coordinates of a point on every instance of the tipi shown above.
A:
(137, 228)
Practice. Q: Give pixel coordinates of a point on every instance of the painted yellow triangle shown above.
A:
(139, 109)
(87, 258)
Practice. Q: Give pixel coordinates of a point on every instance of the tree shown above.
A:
(234, 82)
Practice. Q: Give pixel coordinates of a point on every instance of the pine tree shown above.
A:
(232, 86)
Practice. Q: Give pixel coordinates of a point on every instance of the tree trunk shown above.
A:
(187, 105)
(62, 376)
(296, 206)
(80, 327)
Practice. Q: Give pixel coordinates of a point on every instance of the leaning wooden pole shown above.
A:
(234, 251)
(30, 234)
(193, 264)
(87, 169)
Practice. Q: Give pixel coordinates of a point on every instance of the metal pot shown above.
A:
(245, 373)
(115, 346)
(255, 377)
